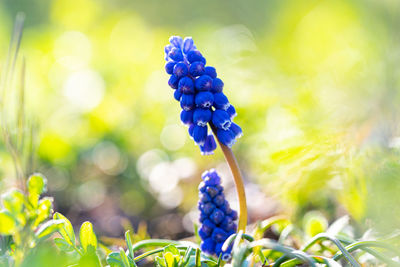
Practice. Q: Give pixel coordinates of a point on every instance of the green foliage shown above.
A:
(335, 246)
(24, 219)
(164, 253)
(87, 237)
(85, 253)
(66, 231)
(25, 225)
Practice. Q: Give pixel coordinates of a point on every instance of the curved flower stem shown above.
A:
(237, 177)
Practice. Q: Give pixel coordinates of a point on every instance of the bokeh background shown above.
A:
(316, 85)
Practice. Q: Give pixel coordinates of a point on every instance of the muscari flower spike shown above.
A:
(200, 93)
(216, 217)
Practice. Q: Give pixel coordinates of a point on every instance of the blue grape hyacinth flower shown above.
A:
(216, 217)
(200, 93)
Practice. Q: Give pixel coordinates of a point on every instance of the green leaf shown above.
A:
(314, 223)
(66, 231)
(48, 228)
(186, 258)
(13, 201)
(36, 186)
(160, 262)
(114, 259)
(7, 224)
(172, 249)
(89, 259)
(124, 258)
(87, 237)
(43, 210)
(63, 245)
(170, 259)
(129, 244)
(337, 226)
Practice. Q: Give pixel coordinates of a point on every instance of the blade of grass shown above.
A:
(130, 249)
(129, 244)
(186, 258)
(124, 258)
(319, 259)
(154, 251)
(266, 224)
(219, 260)
(160, 243)
(323, 236)
(232, 237)
(365, 245)
(288, 251)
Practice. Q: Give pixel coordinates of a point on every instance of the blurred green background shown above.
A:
(315, 83)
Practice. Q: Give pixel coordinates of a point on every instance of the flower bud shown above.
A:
(186, 85)
(169, 66)
(173, 82)
(204, 99)
(209, 145)
(199, 134)
(187, 101)
(221, 101)
(221, 119)
(217, 85)
(180, 70)
(203, 83)
(201, 116)
(196, 68)
(210, 71)
(187, 117)
(175, 54)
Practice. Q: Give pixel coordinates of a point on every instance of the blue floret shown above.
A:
(211, 178)
(200, 134)
(196, 68)
(219, 235)
(201, 116)
(187, 116)
(177, 95)
(186, 85)
(176, 41)
(221, 101)
(208, 246)
(217, 85)
(188, 45)
(195, 55)
(226, 137)
(173, 82)
(204, 99)
(209, 145)
(210, 71)
(231, 111)
(187, 101)
(180, 70)
(203, 83)
(221, 119)
(237, 131)
(175, 54)
(169, 66)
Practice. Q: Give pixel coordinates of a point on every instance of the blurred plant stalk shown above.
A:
(17, 133)
(238, 179)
